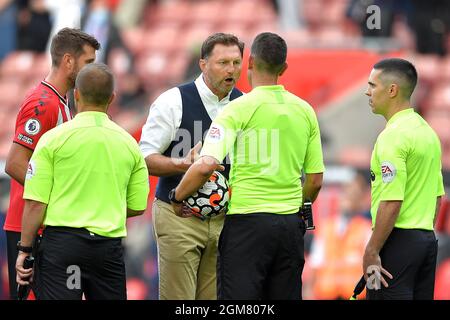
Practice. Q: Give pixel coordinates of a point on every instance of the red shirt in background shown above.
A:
(43, 109)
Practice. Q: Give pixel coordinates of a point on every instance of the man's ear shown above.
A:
(76, 94)
(251, 62)
(67, 61)
(393, 90)
(202, 64)
(283, 69)
(113, 96)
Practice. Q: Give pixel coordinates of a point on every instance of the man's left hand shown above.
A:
(372, 263)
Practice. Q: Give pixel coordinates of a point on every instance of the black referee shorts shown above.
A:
(72, 261)
(410, 256)
(261, 256)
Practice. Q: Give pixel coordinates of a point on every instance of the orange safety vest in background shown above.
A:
(342, 267)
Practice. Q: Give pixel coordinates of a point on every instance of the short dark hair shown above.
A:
(400, 69)
(220, 38)
(269, 51)
(69, 40)
(95, 82)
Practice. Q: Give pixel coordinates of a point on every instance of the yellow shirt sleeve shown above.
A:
(40, 173)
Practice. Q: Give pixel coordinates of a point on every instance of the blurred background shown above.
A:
(152, 45)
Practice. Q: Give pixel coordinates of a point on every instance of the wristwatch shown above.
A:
(172, 197)
(23, 248)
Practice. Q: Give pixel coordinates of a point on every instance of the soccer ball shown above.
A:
(211, 199)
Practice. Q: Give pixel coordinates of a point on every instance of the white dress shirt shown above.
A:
(165, 115)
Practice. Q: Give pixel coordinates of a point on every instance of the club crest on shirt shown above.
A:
(32, 126)
(216, 133)
(388, 171)
(31, 171)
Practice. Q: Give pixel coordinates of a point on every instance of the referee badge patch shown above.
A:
(388, 171)
(31, 171)
(32, 126)
(216, 133)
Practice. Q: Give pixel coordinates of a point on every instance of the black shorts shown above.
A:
(72, 262)
(261, 256)
(410, 256)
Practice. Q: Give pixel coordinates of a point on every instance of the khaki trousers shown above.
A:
(187, 254)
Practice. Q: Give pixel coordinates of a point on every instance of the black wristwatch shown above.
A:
(23, 248)
(172, 197)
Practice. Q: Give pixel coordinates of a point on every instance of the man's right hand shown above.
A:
(24, 276)
(192, 156)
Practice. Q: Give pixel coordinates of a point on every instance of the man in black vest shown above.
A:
(170, 142)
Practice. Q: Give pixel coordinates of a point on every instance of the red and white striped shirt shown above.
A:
(43, 109)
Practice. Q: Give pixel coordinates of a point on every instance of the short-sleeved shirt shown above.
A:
(406, 166)
(88, 171)
(273, 137)
(43, 109)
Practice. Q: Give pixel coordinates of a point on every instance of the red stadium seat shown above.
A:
(133, 39)
(443, 216)
(442, 283)
(136, 289)
(11, 91)
(17, 65)
(161, 38)
(208, 11)
(172, 11)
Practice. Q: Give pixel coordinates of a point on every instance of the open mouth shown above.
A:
(229, 80)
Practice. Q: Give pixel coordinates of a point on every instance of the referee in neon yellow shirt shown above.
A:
(83, 181)
(400, 259)
(272, 136)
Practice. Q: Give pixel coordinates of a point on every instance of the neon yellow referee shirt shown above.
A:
(88, 171)
(406, 165)
(272, 136)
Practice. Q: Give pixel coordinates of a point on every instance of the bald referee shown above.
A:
(406, 190)
(83, 181)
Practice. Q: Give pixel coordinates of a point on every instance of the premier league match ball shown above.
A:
(211, 199)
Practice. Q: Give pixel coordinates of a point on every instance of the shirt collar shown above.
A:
(274, 87)
(399, 115)
(90, 114)
(205, 91)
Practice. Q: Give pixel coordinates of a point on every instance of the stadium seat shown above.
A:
(355, 156)
(161, 38)
(133, 39)
(171, 11)
(208, 11)
(427, 66)
(245, 12)
(10, 92)
(442, 283)
(150, 67)
(136, 289)
(17, 65)
(439, 97)
(443, 216)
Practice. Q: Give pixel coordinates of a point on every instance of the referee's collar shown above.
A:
(91, 113)
(399, 115)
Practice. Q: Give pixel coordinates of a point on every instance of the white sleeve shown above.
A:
(163, 121)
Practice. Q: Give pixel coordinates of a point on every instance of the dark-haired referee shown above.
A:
(273, 137)
(406, 190)
(83, 181)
